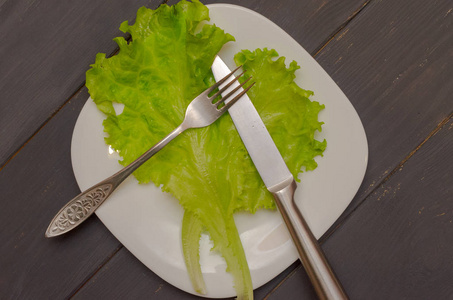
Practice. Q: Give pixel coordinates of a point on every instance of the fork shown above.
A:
(201, 112)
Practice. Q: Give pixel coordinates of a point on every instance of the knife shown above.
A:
(280, 182)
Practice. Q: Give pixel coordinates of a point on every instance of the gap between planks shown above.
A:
(89, 277)
(112, 255)
(281, 282)
(53, 114)
(340, 28)
(42, 126)
(387, 178)
(346, 217)
(368, 195)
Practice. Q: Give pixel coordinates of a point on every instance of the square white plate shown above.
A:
(148, 222)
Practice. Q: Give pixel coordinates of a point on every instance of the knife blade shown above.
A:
(280, 182)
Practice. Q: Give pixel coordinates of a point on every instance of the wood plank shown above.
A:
(398, 244)
(34, 185)
(126, 277)
(46, 48)
(310, 22)
(395, 64)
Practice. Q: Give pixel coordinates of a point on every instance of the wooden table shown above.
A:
(394, 61)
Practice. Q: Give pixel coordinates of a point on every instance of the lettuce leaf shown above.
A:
(208, 170)
(289, 115)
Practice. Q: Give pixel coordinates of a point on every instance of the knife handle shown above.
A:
(321, 275)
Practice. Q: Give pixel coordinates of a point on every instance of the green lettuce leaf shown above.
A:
(289, 115)
(208, 170)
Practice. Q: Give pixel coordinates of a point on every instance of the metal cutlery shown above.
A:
(201, 112)
(280, 182)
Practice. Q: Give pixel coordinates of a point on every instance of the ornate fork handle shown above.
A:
(78, 209)
(84, 205)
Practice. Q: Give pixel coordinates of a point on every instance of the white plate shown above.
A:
(148, 222)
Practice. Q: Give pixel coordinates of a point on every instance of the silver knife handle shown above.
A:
(326, 285)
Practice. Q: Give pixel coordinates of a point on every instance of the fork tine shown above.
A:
(232, 92)
(218, 83)
(235, 99)
(227, 86)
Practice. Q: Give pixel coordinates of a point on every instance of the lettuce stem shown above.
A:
(191, 234)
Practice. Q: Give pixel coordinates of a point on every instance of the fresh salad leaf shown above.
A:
(289, 115)
(208, 170)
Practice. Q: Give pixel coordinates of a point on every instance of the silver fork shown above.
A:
(201, 112)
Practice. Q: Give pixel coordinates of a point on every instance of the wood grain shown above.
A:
(46, 48)
(125, 277)
(310, 22)
(398, 245)
(34, 186)
(394, 62)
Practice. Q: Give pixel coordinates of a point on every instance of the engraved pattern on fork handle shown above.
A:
(78, 209)
(82, 206)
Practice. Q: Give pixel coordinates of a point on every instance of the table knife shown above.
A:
(280, 182)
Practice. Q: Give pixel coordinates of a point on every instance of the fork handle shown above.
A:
(321, 275)
(77, 210)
